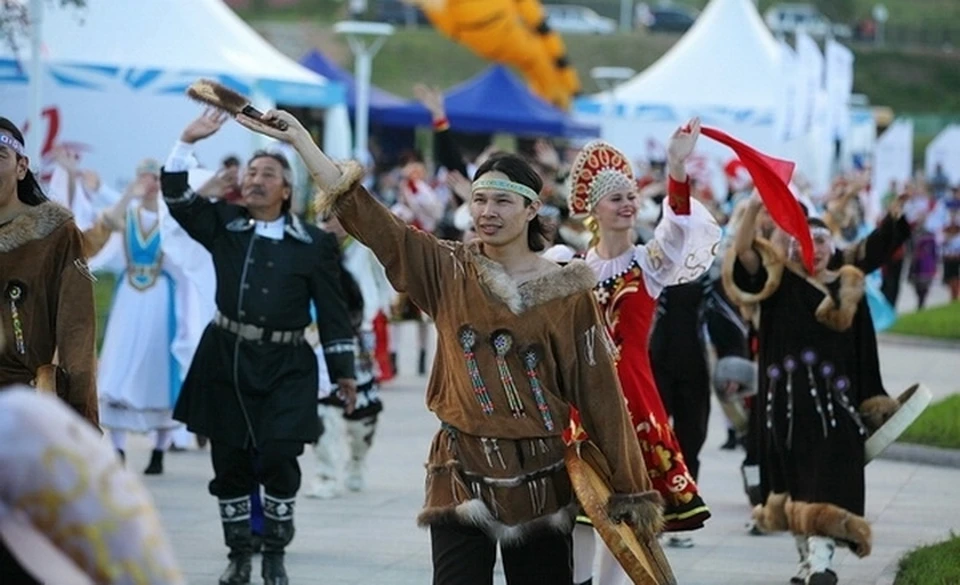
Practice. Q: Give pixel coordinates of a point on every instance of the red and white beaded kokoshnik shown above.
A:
(598, 170)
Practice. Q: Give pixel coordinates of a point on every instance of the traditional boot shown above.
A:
(360, 436)
(751, 483)
(732, 442)
(329, 453)
(821, 557)
(235, 515)
(156, 463)
(277, 534)
(803, 567)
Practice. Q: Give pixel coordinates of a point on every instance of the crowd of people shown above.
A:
(242, 321)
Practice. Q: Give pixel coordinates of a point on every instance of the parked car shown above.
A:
(565, 18)
(665, 17)
(791, 18)
(400, 13)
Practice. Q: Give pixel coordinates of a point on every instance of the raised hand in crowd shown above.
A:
(459, 185)
(681, 145)
(432, 99)
(546, 155)
(207, 124)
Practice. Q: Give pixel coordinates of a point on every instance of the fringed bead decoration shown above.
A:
(531, 360)
(14, 295)
(468, 341)
(502, 342)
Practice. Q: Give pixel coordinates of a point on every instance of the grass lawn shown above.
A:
(937, 564)
(102, 297)
(938, 426)
(941, 322)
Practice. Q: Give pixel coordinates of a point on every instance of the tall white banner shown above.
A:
(944, 150)
(810, 62)
(791, 84)
(892, 162)
(839, 85)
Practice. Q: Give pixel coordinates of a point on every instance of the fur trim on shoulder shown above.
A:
(474, 512)
(643, 511)
(36, 223)
(877, 410)
(325, 199)
(852, 288)
(772, 516)
(771, 260)
(819, 519)
(572, 278)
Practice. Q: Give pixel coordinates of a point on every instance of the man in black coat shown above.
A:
(252, 385)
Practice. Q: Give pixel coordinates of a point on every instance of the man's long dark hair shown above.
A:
(519, 171)
(28, 189)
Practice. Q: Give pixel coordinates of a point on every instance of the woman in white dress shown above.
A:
(139, 373)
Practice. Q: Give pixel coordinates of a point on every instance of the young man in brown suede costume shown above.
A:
(520, 342)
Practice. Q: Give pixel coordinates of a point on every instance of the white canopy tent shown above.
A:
(729, 70)
(726, 69)
(114, 75)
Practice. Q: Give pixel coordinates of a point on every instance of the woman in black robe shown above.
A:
(818, 369)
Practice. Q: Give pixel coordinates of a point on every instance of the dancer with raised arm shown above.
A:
(630, 278)
(252, 386)
(818, 371)
(520, 340)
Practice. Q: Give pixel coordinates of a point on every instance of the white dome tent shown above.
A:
(729, 70)
(114, 73)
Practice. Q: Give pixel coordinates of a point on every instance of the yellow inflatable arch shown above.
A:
(512, 32)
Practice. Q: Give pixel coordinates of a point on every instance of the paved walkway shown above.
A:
(372, 538)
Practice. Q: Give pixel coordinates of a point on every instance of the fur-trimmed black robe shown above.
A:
(818, 363)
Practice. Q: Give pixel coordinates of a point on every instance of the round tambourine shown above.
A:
(913, 401)
(643, 560)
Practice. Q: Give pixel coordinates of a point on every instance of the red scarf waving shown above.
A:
(770, 176)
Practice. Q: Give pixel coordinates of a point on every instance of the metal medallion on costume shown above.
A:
(252, 386)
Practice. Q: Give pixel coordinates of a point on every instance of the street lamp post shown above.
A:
(35, 143)
(608, 78)
(365, 39)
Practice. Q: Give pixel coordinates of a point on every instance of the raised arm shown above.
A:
(686, 240)
(447, 153)
(415, 262)
(880, 245)
(746, 232)
(193, 211)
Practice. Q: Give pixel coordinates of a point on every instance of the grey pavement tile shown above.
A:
(372, 537)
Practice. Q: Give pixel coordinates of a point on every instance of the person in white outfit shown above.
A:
(368, 293)
(139, 375)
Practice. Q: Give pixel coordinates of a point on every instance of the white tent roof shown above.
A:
(728, 57)
(192, 37)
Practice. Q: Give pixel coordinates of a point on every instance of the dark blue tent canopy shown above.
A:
(380, 100)
(495, 100)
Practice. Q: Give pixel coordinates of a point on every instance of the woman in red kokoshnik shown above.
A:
(630, 278)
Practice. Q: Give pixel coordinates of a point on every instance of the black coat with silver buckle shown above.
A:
(241, 387)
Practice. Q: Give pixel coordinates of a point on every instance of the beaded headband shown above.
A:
(505, 186)
(14, 144)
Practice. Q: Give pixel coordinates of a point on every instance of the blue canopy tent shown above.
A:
(495, 100)
(380, 100)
